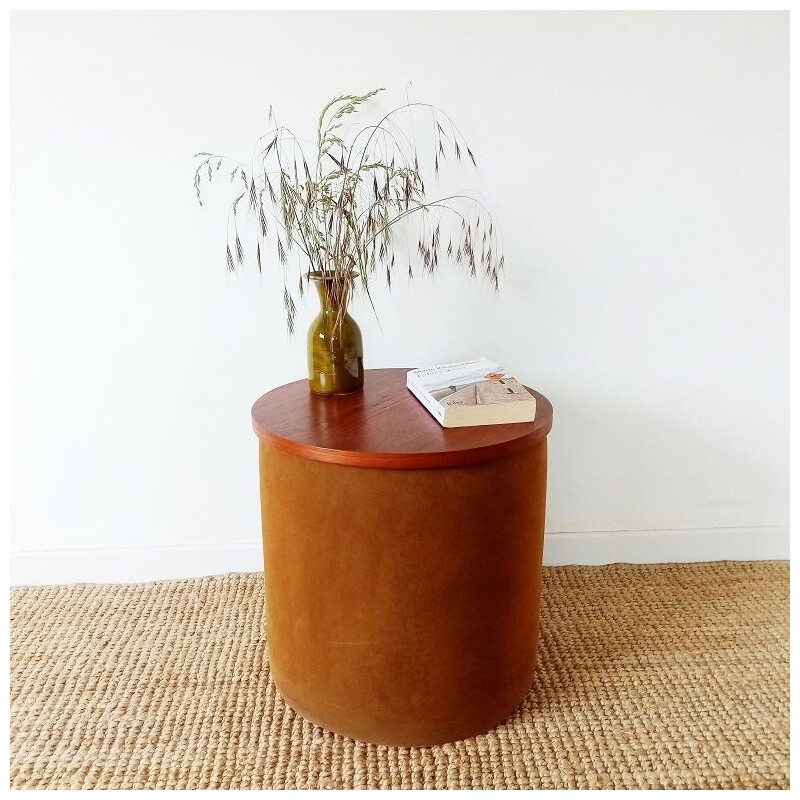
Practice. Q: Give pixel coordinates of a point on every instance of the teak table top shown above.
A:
(384, 426)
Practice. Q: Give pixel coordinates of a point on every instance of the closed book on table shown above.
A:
(478, 392)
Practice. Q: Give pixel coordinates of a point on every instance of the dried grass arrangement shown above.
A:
(340, 198)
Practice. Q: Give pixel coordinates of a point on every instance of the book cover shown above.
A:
(478, 392)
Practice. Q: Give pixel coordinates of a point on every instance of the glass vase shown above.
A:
(335, 349)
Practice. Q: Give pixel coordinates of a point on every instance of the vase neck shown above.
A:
(334, 294)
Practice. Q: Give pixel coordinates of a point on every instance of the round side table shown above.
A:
(402, 561)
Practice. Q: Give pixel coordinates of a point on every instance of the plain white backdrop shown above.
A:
(637, 164)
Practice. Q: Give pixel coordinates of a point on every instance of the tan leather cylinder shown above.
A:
(402, 605)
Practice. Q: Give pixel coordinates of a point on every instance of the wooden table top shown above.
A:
(384, 426)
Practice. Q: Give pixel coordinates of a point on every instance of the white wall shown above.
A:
(636, 162)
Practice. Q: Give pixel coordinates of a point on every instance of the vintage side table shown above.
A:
(402, 561)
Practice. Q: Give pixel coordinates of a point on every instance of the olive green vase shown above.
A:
(335, 350)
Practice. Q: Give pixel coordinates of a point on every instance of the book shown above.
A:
(477, 392)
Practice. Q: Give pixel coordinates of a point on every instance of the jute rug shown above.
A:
(670, 676)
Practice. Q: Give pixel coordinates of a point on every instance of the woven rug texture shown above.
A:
(655, 676)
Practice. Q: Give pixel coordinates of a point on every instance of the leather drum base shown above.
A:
(403, 604)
